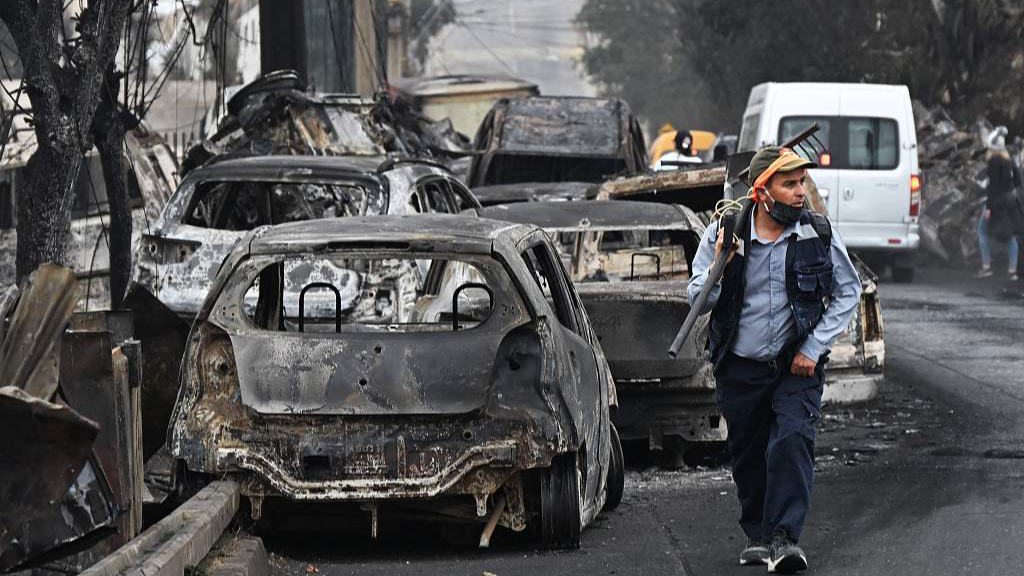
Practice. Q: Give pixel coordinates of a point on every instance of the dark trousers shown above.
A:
(771, 415)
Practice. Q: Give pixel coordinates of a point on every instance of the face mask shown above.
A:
(784, 214)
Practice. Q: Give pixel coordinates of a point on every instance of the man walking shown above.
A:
(788, 291)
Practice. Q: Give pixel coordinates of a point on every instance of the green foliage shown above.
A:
(693, 62)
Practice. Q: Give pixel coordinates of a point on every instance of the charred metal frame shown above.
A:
(528, 408)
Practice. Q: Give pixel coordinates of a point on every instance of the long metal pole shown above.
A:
(717, 269)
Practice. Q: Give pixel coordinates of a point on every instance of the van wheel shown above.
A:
(902, 274)
(616, 483)
(561, 503)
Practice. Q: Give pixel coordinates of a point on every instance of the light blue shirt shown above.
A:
(766, 322)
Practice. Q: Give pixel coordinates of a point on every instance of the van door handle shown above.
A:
(847, 193)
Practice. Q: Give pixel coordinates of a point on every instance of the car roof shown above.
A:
(291, 166)
(299, 167)
(464, 233)
(534, 191)
(592, 215)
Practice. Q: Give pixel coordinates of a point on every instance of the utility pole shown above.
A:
(332, 44)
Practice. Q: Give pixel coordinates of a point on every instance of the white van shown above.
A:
(869, 177)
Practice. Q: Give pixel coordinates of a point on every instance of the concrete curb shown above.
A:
(851, 389)
(236, 555)
(181, 539)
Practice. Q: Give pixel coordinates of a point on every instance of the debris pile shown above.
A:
(278, 114)
(953, 161)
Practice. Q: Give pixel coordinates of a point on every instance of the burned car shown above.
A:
(631, 263)
(218, 204)
(555, 139)
(478, 391)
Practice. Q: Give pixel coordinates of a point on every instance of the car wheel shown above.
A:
(902, 274)
(560, 503)
(616, 483)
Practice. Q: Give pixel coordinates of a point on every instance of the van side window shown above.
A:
(790, 126)
(874, 144)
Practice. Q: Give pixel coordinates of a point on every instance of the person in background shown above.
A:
(1003, 178)
(682, 153)
(663, 143)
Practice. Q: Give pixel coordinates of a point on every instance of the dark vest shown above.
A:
(808, 285)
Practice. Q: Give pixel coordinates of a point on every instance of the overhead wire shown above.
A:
(484, 45)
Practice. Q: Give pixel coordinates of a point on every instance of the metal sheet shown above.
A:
(163, 336)
(26, 355)
(43, 449)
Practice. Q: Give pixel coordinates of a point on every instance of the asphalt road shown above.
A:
(927, 479)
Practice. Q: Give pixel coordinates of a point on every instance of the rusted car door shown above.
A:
(584, 382)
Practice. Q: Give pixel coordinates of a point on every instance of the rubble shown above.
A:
(277, 114)
(953, 161)
(70, 465)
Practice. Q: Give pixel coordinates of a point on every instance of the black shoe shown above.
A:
(786, 557)
(755, 554)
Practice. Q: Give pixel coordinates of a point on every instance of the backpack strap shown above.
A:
(823, 227)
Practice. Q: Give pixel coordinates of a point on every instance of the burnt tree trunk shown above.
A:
(108, 131)
(44, 214)
(63, 82)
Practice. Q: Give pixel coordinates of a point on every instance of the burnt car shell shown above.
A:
(385, 416)
(177, 261)
(658, 396)
(557, 138)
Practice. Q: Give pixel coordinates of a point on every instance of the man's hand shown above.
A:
(718, 247)
(988, 214)
(803, 366)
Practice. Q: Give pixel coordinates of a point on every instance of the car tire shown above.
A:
(902, 274)
(616, 483)
(561, 502)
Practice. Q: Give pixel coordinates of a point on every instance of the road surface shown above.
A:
(927, 479)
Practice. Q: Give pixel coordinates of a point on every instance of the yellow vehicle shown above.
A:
(665, 142)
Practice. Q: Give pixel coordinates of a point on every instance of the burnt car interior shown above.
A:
(244, 205)
(635, 254)
(347, 293)
(436, 194)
